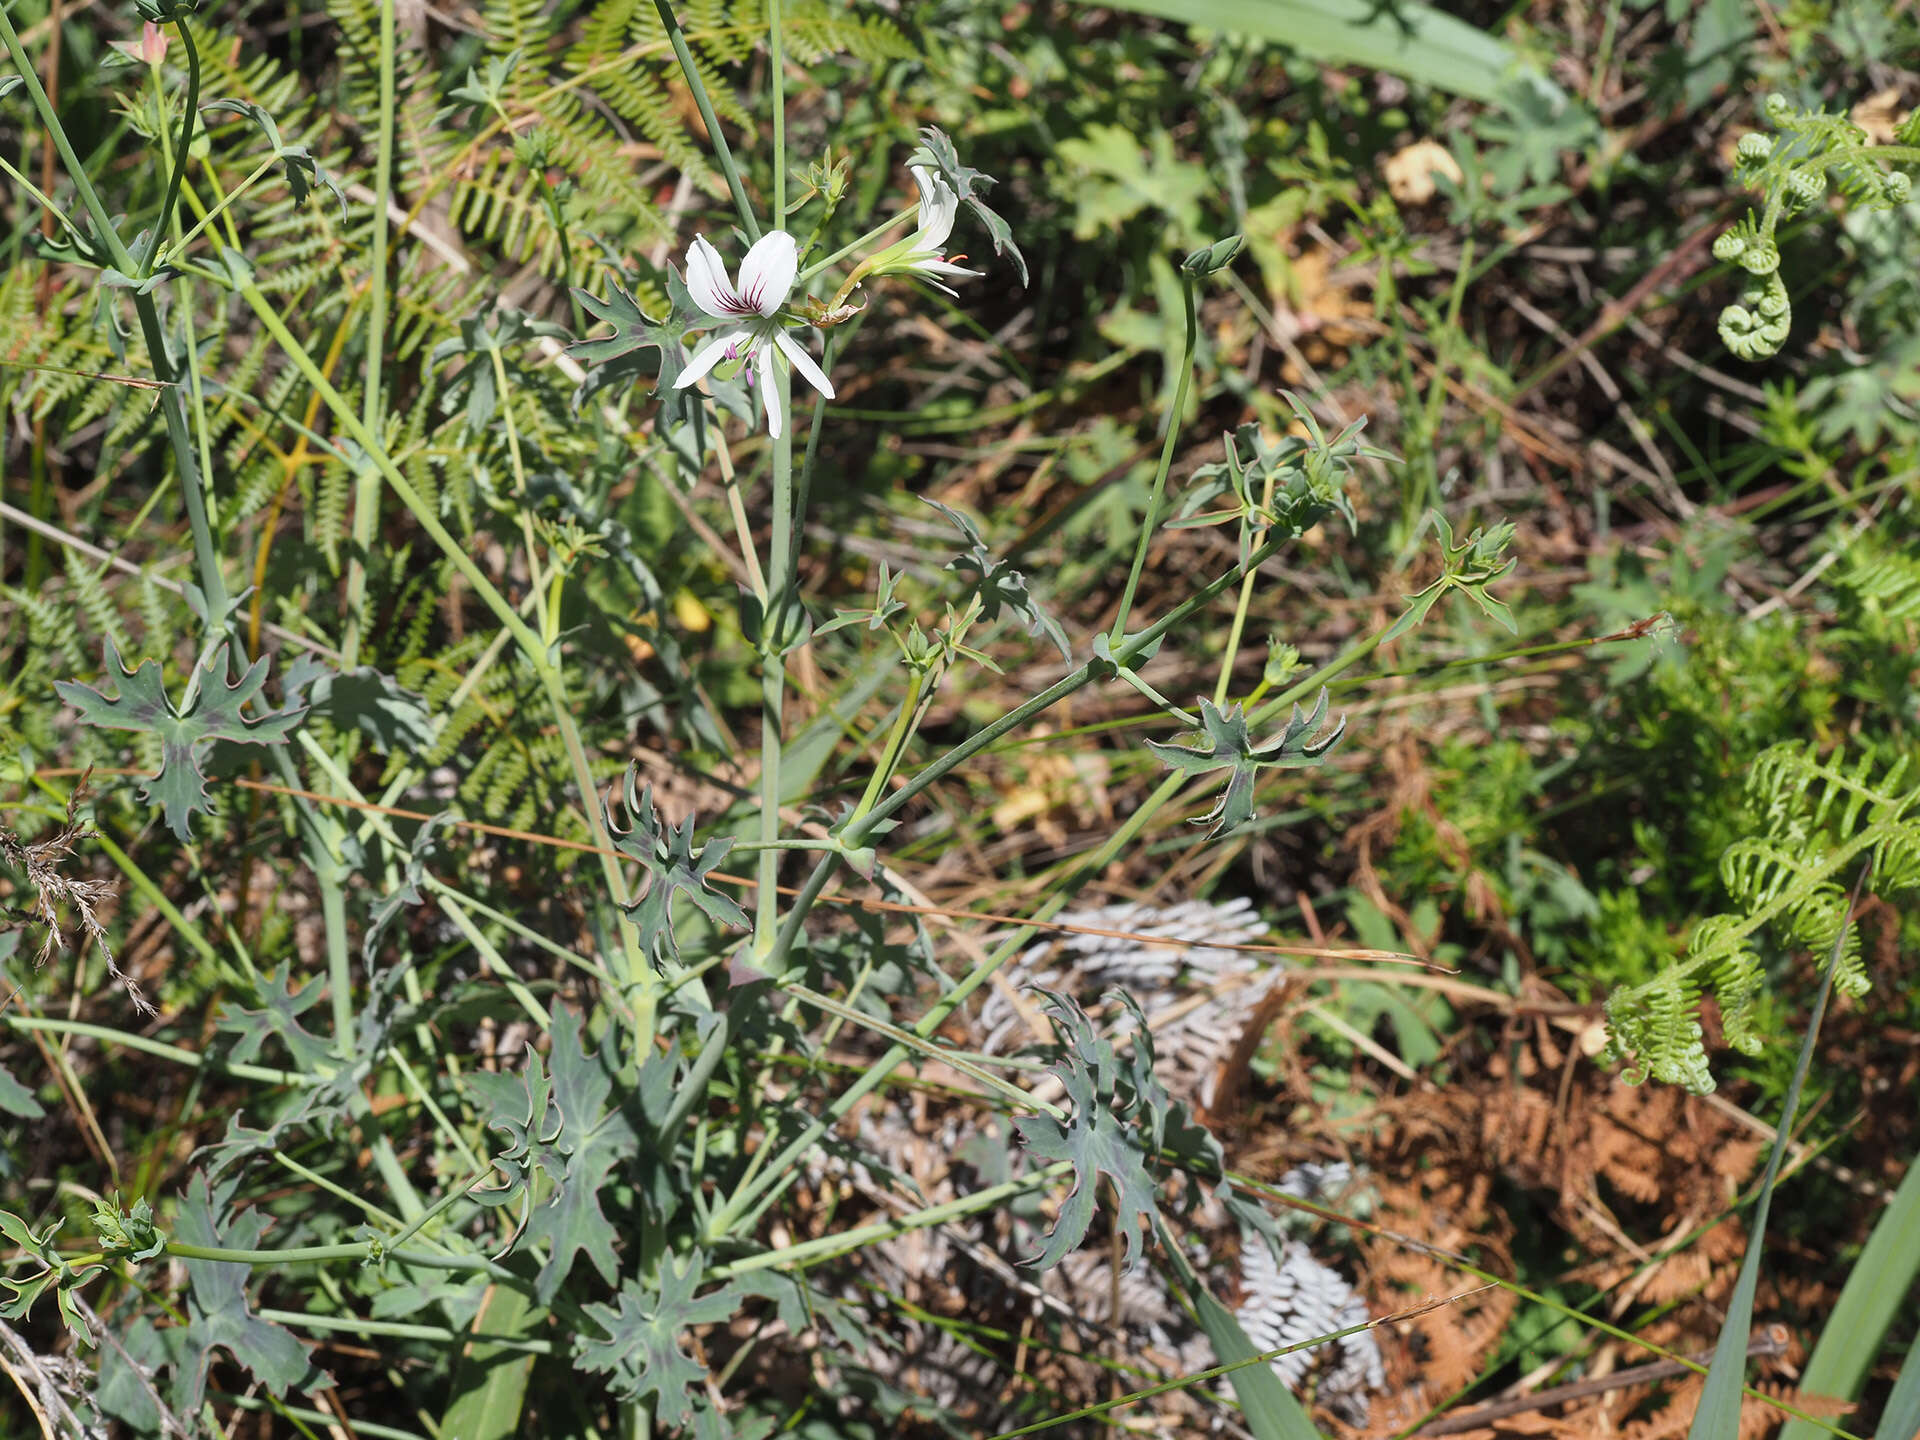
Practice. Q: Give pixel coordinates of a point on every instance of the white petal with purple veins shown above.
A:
(766, 275)
(707, 280)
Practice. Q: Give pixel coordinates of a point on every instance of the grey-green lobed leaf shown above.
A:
(999, 585)
(364, 699)
(278, 1016)
(1119, 1117)
(1226, 745)
(218, 1315)
(620, 358)
(16, 1099)
(302, 168)
(672, 867)
(580, 1153)
(642, 1352)
(215, 713)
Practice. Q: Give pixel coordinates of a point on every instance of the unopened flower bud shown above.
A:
(1209, 259)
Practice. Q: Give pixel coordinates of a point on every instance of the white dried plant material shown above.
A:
(1149, 1318)
(1292, 1298)
(1195, 996)
(1193, 1032)
(952, 1374)
(1312, 1180)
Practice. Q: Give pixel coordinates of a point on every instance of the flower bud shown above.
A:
(1209, 259)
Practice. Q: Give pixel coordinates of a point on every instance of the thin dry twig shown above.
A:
(1773, 1341)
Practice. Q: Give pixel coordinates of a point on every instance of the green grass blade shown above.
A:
(1270, 1409)
(1874, 1293)
(1408, 39)
(1272, 1412)
(1718, 1417)
(490, 1384)
(1902, 1418)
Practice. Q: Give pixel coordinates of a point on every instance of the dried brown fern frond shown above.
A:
(1759, 1418)
(1436, 1353)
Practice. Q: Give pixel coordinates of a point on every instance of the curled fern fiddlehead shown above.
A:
(1792, 172)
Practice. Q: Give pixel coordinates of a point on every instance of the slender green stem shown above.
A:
(427, 1103)
(859, 830)
(544, 614)
(452, 903)
(896, 742)
(45, 201)
(395, 1329)
(76, 170)
(444, 1203)
(1105, 1407)
(327, 1420)
(333, 910)
(177, 171)
(159, 1049)
(313, 1177)
(1345, 660)
(813, 1252)
(1125, 653)
(533, 937)
(777, 68)
(677, 38)
(1010, 1093)
(782, 572)
(172, 402)
(301, 1254)
(1150, 522)
(858, 245)
(493, 961)
(1240, 609)
(366, 485)
(178, 247)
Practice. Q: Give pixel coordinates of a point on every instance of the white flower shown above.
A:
(753, 312)
(920, 252)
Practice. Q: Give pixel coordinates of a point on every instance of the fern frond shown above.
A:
(91, 599)
(51, 627)
(1655, 1027)
(1821, 816)
(815, 29)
